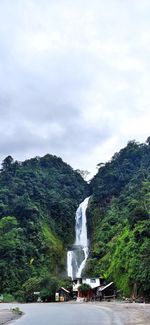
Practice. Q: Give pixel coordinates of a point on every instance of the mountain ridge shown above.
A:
(38, 200)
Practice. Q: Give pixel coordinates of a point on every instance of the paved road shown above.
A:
(66, 314)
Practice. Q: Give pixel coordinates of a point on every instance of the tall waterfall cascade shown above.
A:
(76, 258)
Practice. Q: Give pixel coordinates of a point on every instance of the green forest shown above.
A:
(38, 200)
(119, 220)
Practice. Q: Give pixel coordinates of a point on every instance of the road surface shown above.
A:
(65, 314)
(103, 313)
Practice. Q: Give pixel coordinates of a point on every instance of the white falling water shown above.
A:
(69, 263)
(82, 265)
(76, 259)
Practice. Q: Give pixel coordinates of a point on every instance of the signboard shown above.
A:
(57, 296)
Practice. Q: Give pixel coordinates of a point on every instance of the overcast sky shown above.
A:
(74, 78)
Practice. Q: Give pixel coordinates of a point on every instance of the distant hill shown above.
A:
(119, 220)
(38, 200)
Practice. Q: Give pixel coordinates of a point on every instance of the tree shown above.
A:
(31, 285)
(84, 288)
(7, 163)
(83, 173)
(148, 141)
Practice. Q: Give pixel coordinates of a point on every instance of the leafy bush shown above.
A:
(7, 297)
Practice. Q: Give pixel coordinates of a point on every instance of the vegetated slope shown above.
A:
(119, 216)
(38, 200)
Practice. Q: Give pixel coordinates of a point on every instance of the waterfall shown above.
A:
(76, 259)
(69, 263)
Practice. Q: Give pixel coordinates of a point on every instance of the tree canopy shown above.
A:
(38, 200)
(119, 215)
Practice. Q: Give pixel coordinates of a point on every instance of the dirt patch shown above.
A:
(129, 313)
(7, 315)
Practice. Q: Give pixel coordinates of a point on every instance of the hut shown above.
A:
(62, 295)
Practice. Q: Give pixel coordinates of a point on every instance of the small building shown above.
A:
(93, 282)
(106, 291)
(62, 294)
(99, 288)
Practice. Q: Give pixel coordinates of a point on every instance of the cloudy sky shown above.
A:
(74, 78)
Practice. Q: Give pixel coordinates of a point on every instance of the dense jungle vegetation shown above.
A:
(38, 200)
(119, 220)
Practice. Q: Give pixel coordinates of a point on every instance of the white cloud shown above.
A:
(74, 78)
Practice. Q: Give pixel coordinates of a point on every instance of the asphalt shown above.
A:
(65, 314)
(81, 314)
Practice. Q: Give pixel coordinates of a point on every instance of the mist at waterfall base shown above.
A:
(76, 258)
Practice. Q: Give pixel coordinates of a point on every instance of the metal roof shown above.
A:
(106, 286)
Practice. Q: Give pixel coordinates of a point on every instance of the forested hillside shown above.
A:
(38, 200)
(119, 220)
